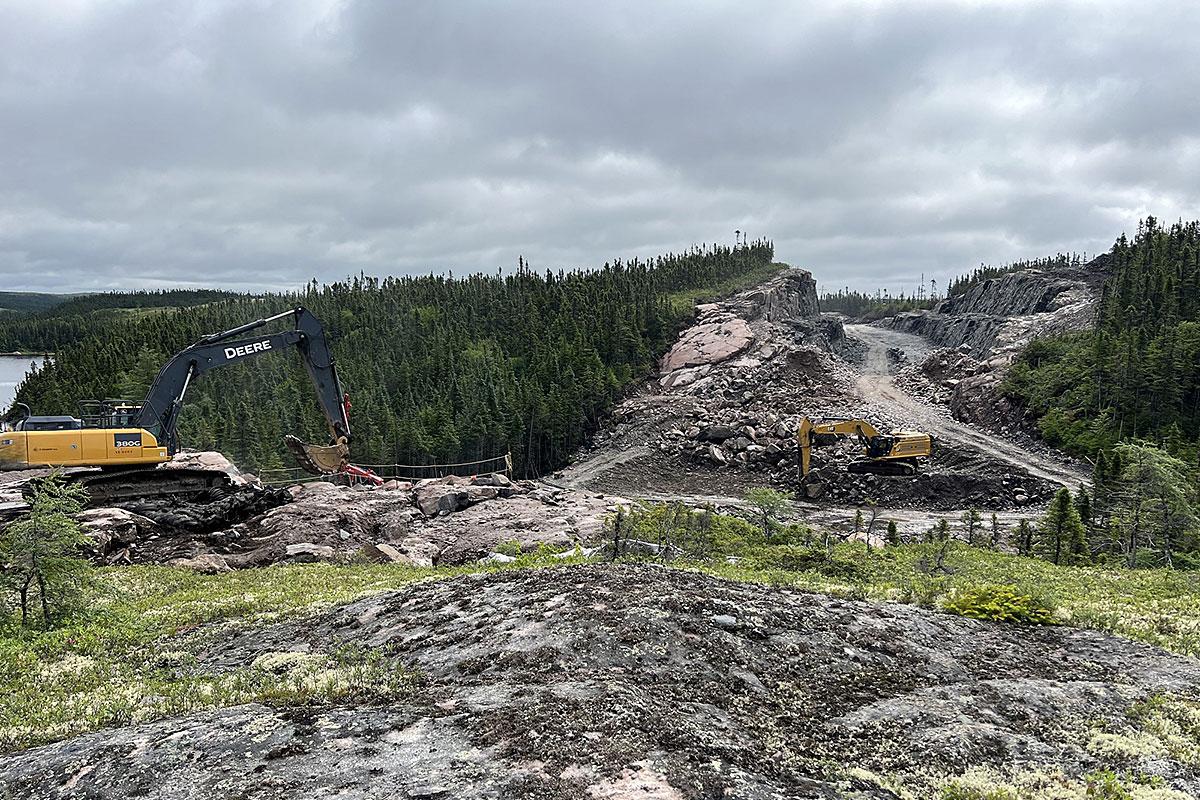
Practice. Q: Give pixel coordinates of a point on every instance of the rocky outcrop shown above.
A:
(1003, 314)
(438, 521)
(792, 294)
(718, 337)
(724, 330)
(989, 325)
(977, 399)
(640, 681)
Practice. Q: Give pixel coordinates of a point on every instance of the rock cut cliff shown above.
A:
(1002, 314)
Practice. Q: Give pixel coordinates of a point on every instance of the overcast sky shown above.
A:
(257, 145)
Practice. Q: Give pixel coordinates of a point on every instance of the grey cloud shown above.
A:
(256, 145)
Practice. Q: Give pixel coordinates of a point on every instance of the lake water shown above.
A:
(12, 371)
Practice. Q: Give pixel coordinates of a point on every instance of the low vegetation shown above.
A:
(126, 657)
(128, 653)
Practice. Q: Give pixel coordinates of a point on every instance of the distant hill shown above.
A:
(29, 302)
(163, 298)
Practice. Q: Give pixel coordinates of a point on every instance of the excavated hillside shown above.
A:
(643, 682)
(721, 416)
(979, 333)
(1003, 313)
(718, 419)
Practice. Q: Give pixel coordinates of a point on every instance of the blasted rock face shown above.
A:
(709, 343)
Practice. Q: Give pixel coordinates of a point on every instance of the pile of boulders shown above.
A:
(765, 442)
(935, 379)
(446, 520)
(947, 488)
(970, 387)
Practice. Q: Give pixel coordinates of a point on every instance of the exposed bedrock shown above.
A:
(1004, 313)
(638, 681)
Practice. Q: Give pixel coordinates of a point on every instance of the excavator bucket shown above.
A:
(319, 459)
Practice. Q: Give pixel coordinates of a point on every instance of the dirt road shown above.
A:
(876, 386)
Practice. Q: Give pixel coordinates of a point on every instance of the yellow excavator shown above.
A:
(124, 439)
(895, 453)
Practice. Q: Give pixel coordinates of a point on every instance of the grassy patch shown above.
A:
(1157, 606)
(118, 663)
(682, 301)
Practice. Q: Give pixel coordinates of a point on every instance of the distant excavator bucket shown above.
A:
(319, 459)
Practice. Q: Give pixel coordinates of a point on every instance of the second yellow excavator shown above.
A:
(895, 453)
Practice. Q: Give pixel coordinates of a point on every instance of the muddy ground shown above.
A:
(639, 681)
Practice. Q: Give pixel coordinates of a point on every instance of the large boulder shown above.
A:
(445, 496)
(718, 433)
(112, 531)
(210, 460)
(709, 343)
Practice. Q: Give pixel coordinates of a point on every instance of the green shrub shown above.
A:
(799, 558)
(999, 604)
(1105, 785)
(793, 533)
(510, 548)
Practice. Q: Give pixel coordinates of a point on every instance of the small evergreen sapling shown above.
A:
(39, 553)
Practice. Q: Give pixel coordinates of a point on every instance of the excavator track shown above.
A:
(105, 486)
(892, 468)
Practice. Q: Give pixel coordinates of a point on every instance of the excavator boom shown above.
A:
(122, 434)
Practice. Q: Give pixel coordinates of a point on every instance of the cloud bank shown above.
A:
(259, 144)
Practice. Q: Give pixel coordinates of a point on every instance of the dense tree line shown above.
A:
(870, 306)
(985, 272)
(439, 369)
(46, 329)
(1136, 374)
(25, 302)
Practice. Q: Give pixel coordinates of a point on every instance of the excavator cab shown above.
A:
(109, 413)
(879, 446)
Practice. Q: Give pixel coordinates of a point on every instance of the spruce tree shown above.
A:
(971, 520)
(1083, 504)
(1024, 537)
(1061, 527)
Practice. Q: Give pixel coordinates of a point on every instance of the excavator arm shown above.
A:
(891, 454)
(160, 411)
(809, 431)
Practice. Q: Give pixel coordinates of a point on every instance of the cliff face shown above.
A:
(725, 329)
(790, 295)
(1003, 314)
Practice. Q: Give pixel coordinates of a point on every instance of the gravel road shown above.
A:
(876, 386)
